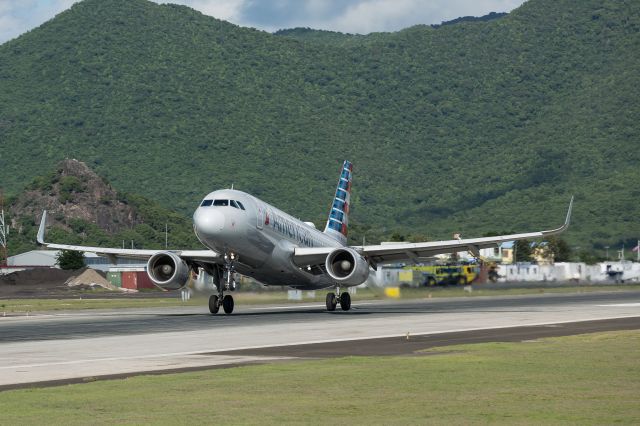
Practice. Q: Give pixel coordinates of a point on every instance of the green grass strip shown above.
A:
(22, 306)
(586, 379)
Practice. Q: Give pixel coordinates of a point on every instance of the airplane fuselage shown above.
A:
(261, 237)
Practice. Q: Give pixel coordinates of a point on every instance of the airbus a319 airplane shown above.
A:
(246, 235)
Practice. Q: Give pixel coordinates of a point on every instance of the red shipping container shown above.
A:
(144, 281)
(130, 280)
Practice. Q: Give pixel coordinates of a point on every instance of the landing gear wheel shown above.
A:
(332, 302)
(345, 301)
(214, 306)
(227, 304)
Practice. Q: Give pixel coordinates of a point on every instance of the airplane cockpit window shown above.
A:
(234, 204)
(221, 203)
(206, 203)
(240, 204)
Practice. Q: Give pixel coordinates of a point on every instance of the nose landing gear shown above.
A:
(226, 282)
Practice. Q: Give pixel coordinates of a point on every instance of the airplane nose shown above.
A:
(208, 221)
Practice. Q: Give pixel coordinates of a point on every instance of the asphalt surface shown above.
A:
(75, 347)
(126, 322)
(414, 345)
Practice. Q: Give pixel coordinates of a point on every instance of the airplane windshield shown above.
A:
(234, 204)
(206, 203)
(240, 204)
(220, 203)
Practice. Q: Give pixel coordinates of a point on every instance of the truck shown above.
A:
(444, 275)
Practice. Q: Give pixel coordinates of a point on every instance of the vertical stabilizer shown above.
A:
(338, 222)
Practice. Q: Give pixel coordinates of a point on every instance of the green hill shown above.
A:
(472, 127)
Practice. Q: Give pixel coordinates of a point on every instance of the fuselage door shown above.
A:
(260, 216)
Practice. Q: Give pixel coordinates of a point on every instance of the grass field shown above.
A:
(587, 379)
(20, 306)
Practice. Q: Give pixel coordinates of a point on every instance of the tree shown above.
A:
(559, 248)
(588, 257)
(70, 259)
(523, 251)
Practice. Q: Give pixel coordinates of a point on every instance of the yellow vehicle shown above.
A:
(447, 274)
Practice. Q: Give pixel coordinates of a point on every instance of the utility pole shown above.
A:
(4, 232)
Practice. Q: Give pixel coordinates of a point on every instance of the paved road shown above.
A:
(72, 346)
(76, 325)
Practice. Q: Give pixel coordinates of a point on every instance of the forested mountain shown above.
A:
(472, 127)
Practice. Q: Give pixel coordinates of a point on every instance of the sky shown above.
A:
(348, 16)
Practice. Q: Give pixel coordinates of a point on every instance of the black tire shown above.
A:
(213, 304)
(332, 302)
(345, 301)
(227, 304)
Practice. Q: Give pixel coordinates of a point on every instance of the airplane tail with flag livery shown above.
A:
(337, 225)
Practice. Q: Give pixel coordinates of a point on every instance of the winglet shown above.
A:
(568, 219)
(565, 226)
(41, 229)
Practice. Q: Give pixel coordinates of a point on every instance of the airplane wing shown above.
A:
(206, 256)
(415, 252)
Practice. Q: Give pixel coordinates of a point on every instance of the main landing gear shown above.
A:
(344, 300)
(226, 282)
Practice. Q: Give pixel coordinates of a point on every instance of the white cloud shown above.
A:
(377, 15)
(228, 10)
(393, 15)
(19, 16)
(351, 16)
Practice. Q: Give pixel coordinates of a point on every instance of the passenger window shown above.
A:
(206, 203)
(234, 204)
(221, 203)
(240, 204)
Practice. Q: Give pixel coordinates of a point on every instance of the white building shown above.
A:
(570, 271)
(47, 258)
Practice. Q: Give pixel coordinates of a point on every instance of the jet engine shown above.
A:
(346, 266)
(168, 271)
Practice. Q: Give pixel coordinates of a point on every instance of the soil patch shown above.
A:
(37, 282)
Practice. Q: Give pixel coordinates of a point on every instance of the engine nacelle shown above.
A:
(346, 266)
(168, 271)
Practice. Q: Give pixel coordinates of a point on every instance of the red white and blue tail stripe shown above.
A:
(338, 222)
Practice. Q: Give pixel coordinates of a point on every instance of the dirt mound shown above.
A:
(90, 278)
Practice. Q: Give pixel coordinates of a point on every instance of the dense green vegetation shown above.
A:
(469, 127)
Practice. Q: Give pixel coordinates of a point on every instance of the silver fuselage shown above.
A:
(261, 237)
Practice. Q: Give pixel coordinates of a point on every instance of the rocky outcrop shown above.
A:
(73, 192)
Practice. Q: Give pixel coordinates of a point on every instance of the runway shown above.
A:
(68, 347)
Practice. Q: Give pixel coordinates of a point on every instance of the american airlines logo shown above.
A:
(290, 230)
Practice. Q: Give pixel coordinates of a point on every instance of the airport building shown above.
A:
(47, 259)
